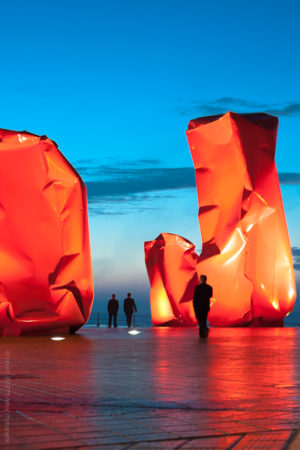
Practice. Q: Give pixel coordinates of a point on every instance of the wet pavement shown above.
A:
(162, 388)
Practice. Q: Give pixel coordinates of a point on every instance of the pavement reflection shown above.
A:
(160, 388)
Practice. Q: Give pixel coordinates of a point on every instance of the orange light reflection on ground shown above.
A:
(267, 376)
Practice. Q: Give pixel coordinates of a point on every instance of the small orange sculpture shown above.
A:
(46, 280)
(246, 252)
(171, 263)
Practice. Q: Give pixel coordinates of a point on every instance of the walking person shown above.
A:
(129, 307)
(201, 302)
(112, 308)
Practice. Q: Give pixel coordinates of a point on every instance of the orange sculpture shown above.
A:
(171, 263)
(46, 280)
(246, 252)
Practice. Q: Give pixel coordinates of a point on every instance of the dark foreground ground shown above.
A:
(163, 388)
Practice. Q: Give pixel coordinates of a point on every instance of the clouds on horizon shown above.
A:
(121, 190)
(292, 178)
(114, 181)
(90, 169)
(239, 105)
(124, 188)
(126, 184)
(123, 182)
(296, 257)
(124, 204)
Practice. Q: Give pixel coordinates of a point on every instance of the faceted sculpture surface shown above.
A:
(45, 264)
(246, 252)
(171, 264)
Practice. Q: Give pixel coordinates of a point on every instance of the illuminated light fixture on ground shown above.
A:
(246, 252)
(134, 332)
(45, 262)
(57, 338)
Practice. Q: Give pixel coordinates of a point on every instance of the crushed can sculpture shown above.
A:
(246, 252)
(46, 280)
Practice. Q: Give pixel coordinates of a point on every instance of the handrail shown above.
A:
(98, 319)
(101, 319)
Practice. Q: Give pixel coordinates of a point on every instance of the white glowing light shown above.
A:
(249, 227)
(263, 286)
(229, 245)
(291, 293)
(267, 212)
(22, 138)
(182, 243)
(133, 332)
(275, 304)
(57, 338)
(233, 257)
(241, 234)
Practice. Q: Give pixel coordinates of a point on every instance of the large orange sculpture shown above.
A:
(45, 264)
(245, 251)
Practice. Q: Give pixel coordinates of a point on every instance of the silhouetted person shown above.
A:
(201, 302)
(129, 307)
(112, 308)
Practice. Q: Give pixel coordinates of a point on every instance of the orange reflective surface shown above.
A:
(171, 264)
(158, 389)
(45, 263)
(240, 379)
(246, 250)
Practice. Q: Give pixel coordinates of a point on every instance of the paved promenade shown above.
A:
(162, 388)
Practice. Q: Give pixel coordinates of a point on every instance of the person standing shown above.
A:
(129, 307)
(201, 302)
(112, 308)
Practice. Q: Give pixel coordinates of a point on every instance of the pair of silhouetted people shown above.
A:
(113, 308)
(201, 302)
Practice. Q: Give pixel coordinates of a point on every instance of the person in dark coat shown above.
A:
(201, 302)
(112, 308)
(129, 307)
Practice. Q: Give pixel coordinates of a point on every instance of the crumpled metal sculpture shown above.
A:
(245, 245)
(171, 263)
(46, 280)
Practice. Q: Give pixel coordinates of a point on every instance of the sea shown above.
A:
(144, 320)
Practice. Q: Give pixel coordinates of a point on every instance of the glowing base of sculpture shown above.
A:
(246, 252)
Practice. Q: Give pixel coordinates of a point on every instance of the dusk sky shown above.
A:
(115, 85)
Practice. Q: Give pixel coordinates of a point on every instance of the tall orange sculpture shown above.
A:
(245, 251)
(46, 280)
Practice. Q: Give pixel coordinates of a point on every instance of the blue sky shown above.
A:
(115, 84)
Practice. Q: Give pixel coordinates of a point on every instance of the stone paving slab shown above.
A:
(163, 388)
